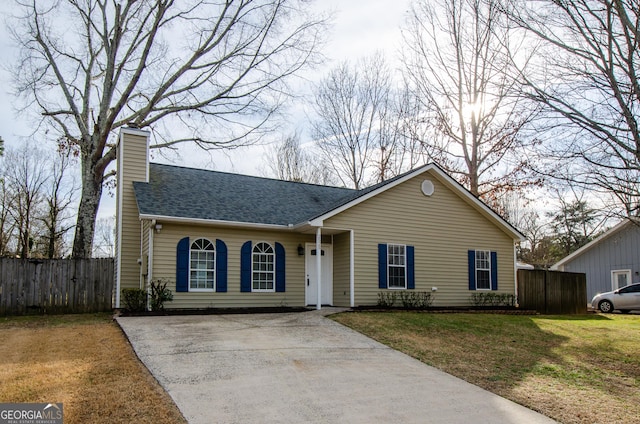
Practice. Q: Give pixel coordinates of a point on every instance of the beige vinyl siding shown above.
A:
(442, 228)
(132, 166)
(164, 266)
(341, 269)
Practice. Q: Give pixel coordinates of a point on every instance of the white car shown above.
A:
(624, 299)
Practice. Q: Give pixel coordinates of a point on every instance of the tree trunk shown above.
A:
(87, 210)
(51, 242)
(90, 82)
(473, 185)
(24, 248)
(474, 181)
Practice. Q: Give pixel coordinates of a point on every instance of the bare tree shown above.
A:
(456, 58)
(217, 83)
(586, 79)
(7, 225)
(400, 147)
(543, 254)
(59, 195)
(289, 161)
(105, 245)
(351, 102)
(26, 174)
(534, 229)
(540, 248)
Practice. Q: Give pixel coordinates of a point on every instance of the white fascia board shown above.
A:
(450, 182)
(133, 131)
(591, 244)
(200, 221)
(315, 222)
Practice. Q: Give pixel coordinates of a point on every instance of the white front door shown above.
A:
(620, 278)
(326, 259)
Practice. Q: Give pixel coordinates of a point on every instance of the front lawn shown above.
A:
(83, 361)
(575, 369)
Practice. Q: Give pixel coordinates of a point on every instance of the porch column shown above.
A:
(351, 270)
(319, 267)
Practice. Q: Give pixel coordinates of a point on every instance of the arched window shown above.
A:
(202, 265)
(263, 267)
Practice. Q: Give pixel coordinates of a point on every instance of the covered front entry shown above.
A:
(311, 272)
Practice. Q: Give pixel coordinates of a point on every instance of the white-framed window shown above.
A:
(483, 270)
(202, 264)
(263, 271)
(620, 278)
(396, 266)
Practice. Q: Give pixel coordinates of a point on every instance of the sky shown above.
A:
(360, 28)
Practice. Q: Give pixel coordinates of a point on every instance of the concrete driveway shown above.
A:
(301, 368)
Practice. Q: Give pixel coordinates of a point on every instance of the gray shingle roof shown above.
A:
(200, 194)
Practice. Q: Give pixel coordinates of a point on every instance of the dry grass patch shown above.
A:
(581, 369)
(83, 361)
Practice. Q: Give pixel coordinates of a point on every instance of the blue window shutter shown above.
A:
(245, 267)
(411, 279)
(472, 269)
(221, 266)
(494, 270)
(382, 266)
(182, 265)
(280, 268)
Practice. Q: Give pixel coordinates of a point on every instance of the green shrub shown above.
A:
(160, 294)
(134, 300)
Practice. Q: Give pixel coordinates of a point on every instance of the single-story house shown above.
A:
(226, 240)
(610, 261)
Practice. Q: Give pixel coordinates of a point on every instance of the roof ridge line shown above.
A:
(251, 176)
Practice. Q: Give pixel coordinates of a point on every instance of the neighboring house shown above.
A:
(230, 240)
(610, 261)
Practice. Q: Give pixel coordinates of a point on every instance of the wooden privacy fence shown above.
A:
(55, 285)
(552, 292)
